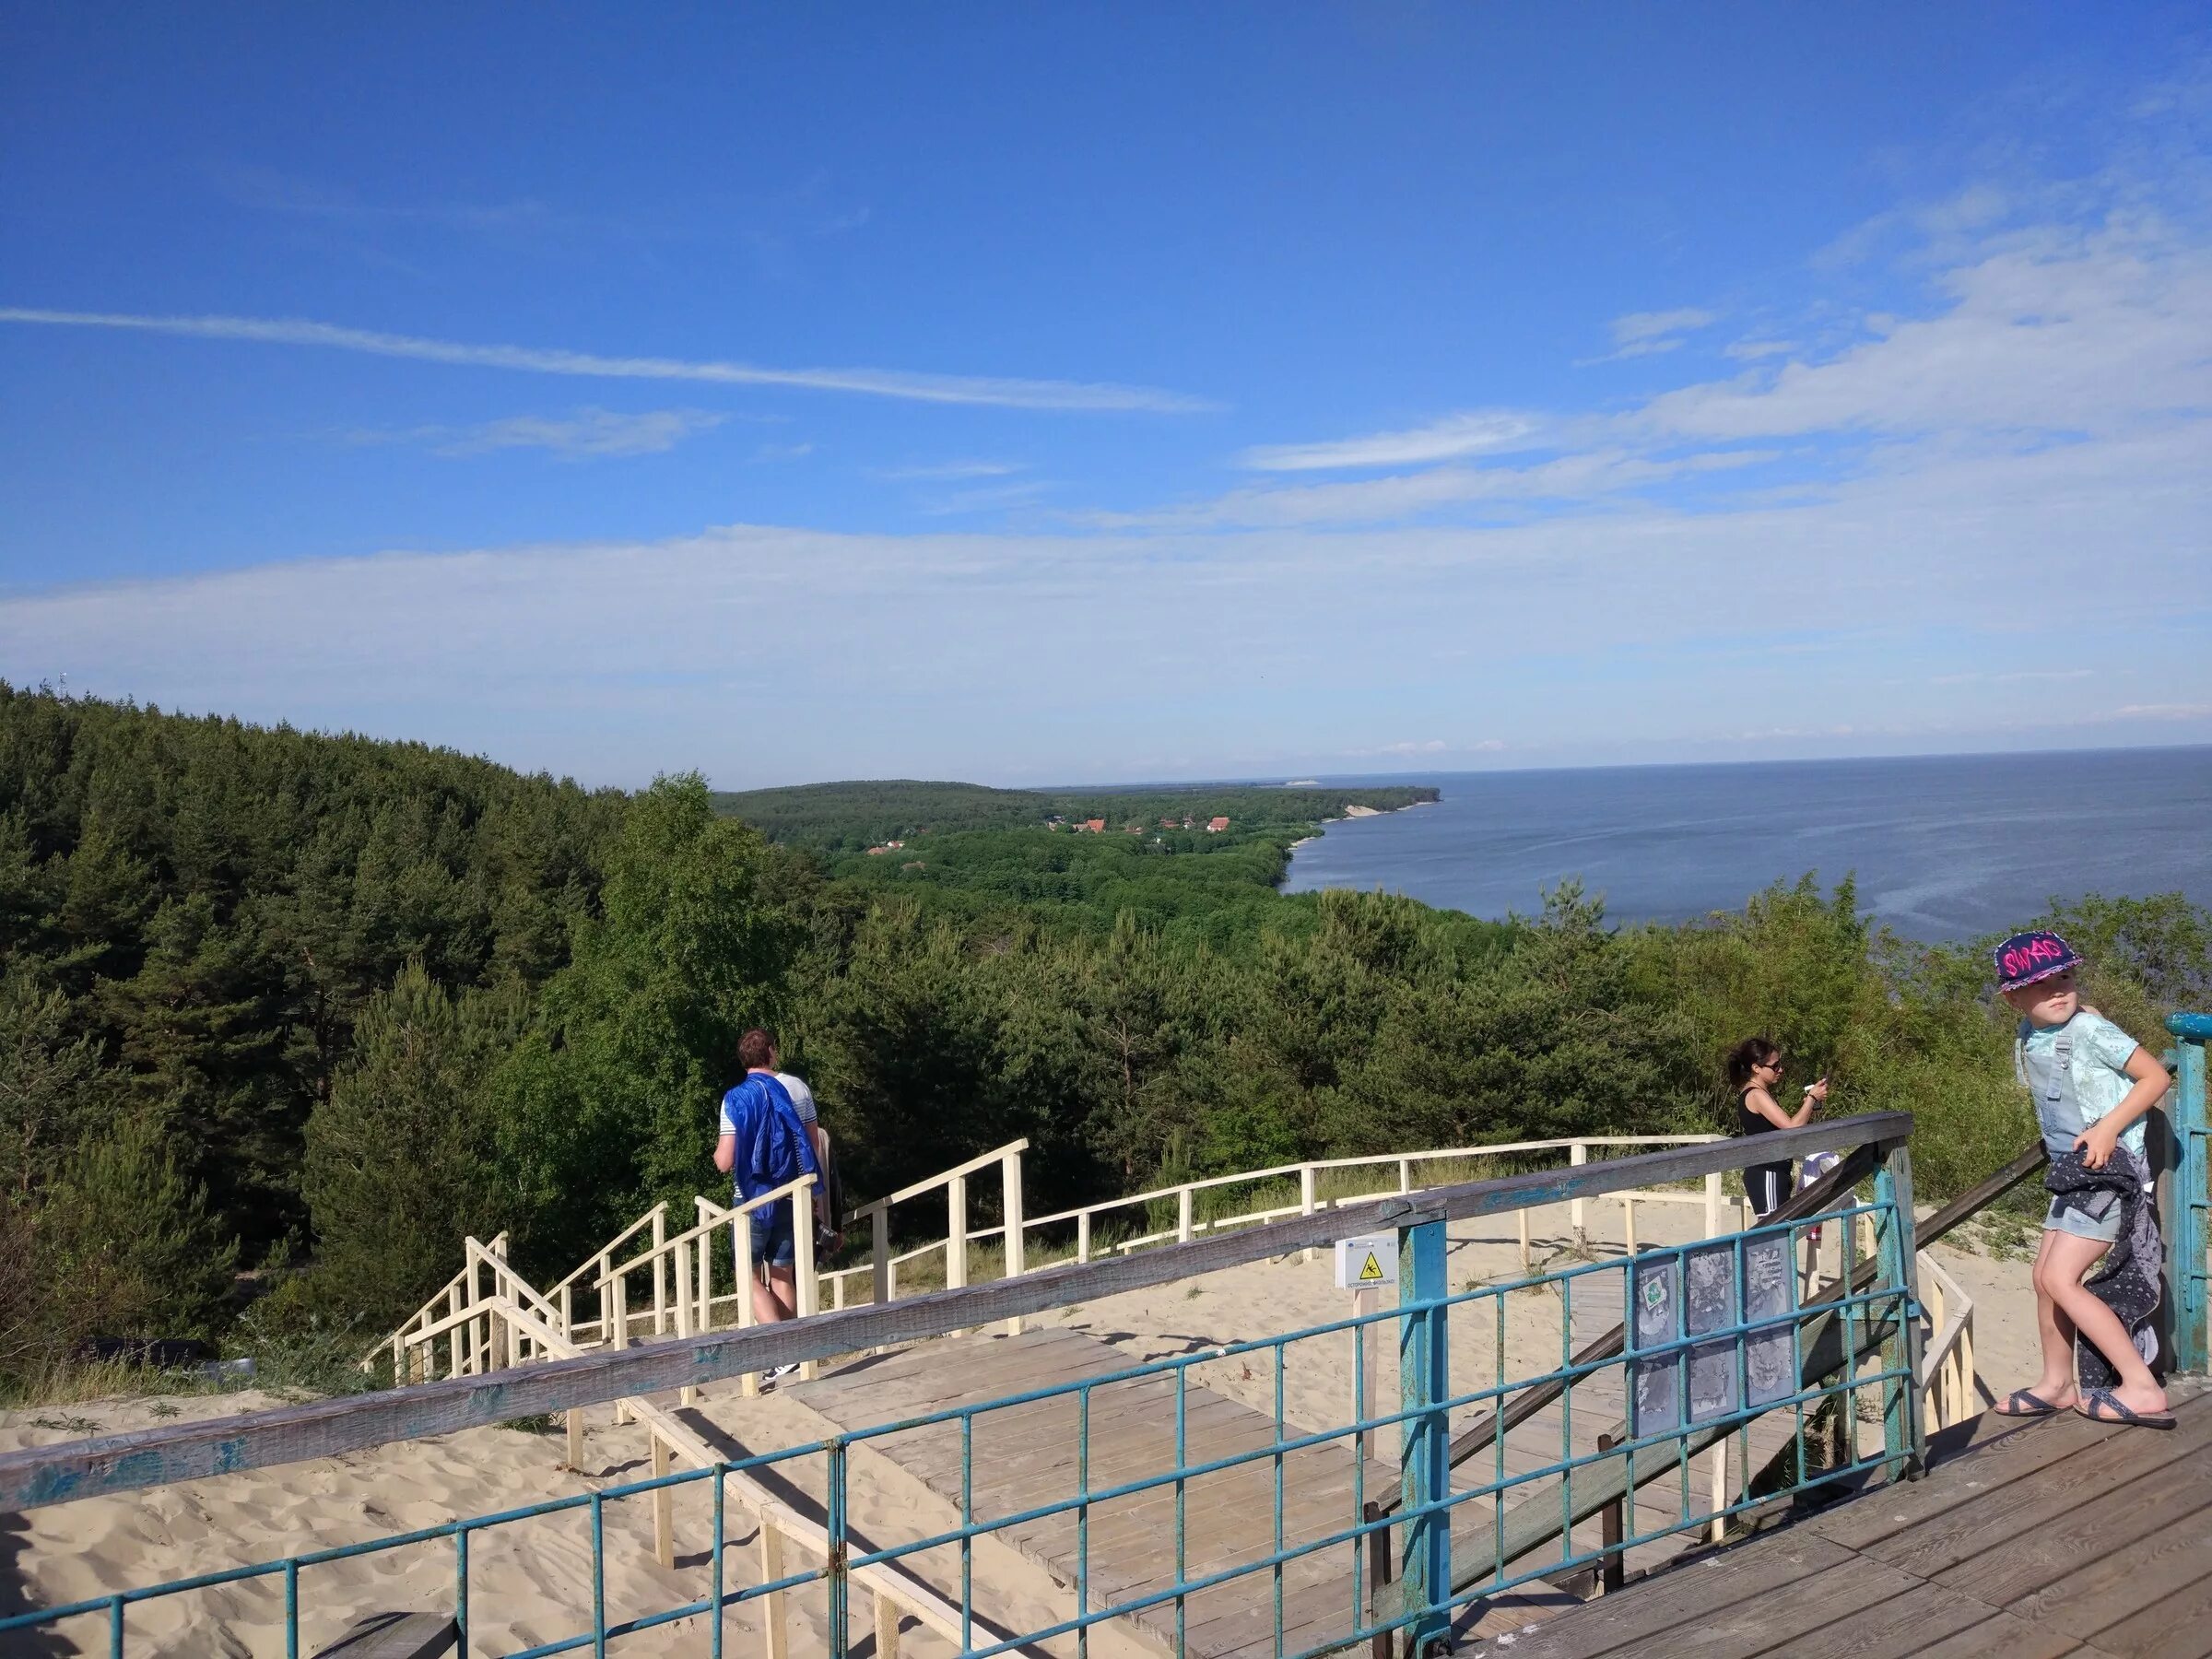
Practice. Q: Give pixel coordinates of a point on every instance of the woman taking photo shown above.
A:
(1755, 1069)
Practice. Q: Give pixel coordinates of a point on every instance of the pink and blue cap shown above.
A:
(2027, 956)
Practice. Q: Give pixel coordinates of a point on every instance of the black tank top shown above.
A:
(1748, 1121)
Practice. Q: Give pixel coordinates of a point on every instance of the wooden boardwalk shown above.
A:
(2058, 1537)
(1025, 1456)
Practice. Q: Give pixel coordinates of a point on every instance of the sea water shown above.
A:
(1947, 847)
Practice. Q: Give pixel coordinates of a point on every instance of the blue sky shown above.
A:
(1085, 392)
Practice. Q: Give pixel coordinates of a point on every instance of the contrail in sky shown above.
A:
(868, 383)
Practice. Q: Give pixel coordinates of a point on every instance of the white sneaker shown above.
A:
(776, 1374)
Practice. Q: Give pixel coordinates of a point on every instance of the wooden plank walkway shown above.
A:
(2058, 1537)
(1026, 1455)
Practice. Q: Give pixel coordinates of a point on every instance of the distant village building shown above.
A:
(1215, 826)
(878, 851)
(1168, 823)
(1094, 826)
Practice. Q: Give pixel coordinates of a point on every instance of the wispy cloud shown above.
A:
(991, 391)
(1752, 350)
(1645, 334)
(589, 434)
(770, 452)
(989, 498)
(1454, 435)
(949, 472)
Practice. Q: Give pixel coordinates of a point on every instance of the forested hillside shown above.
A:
(321, 1006)
(837, 818)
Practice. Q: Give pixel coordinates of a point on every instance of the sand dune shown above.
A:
(531, 1580)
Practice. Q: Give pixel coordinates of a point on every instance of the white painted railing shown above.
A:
(1947, 1366)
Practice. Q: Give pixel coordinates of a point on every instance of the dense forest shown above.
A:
(293, 1013)
(835, 817)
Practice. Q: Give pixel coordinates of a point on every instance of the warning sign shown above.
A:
(1367, 1262)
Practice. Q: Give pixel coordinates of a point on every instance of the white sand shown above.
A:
(531, 1580)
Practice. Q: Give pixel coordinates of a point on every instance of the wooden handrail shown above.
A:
(943, 1177)
(172, 1451)
(608, 1248)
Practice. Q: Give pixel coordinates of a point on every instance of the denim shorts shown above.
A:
(773, 1242)
(2090, 1216)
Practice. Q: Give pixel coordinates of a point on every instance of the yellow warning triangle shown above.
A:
(1370, 1269)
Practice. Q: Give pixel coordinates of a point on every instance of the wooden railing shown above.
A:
(183, 1451)
(527, 1322)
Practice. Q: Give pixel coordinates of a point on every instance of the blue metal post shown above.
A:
(2194, 1211)
(1904, 1431)
(1424, 1384)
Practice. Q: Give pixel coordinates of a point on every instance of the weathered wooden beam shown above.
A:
(395, 1635)
(157, 1456)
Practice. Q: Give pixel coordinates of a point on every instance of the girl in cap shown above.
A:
(2092, 1083)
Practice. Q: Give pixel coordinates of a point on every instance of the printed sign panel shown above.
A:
(1709, 1299)
(1692, 1291)
(1770, 1293)
(1655, 1385)
(1367, 1261)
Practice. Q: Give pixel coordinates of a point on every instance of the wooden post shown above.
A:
(606, 1266)
(1378, 1576)
(1083, 1236)
(685, 1396)
(773, 1609)
(1521, 1216)
(806, 1292)
(1713, 1206)
(616, 1301)
(837, 1293)
(705, 1247)
(1404, 1174)
(955, 1232)
(879, 1226)
(741, 1237)
(887, 1627)
(1182, 1216)
(1010, 1210)
(660, 1269)
(567, 1312)
(1719, 1460)
(1305, 1195)
(453, 1338)
(1966, 1366)
(1628, 1220)
(1934, 1398)
(575, 1463)
(664, 1508)
(1612, 1565)
(1577, 1156)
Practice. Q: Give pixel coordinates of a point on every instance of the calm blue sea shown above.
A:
(1944, 847)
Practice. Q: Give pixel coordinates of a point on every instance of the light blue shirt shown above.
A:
(2096, 1078)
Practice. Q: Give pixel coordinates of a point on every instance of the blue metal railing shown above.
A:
(1696, 1346)
(2190, 1225)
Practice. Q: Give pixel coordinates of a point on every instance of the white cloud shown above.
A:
(589, 434)
(949, 472)
(1650, 326)
(1646, 333)
(871, 383)
(1750, 350)
(1564, 480)
(1444, 439)
(769, 452)
(612, 659)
